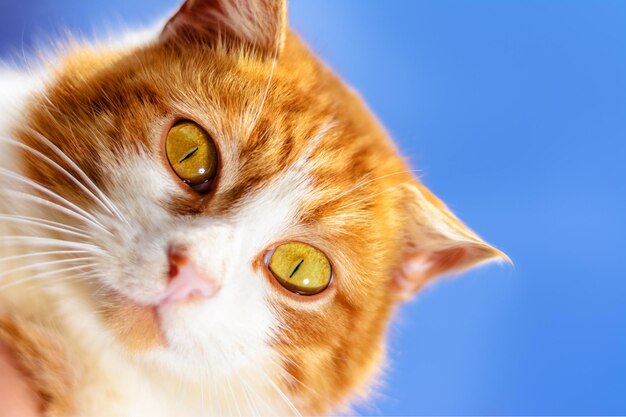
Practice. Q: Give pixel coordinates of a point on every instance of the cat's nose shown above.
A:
(185, 282)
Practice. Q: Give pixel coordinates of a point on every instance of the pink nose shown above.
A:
(185, 282)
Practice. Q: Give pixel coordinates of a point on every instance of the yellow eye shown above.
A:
(301, 268)
(191, 154)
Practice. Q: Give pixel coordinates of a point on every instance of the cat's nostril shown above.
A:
(188, 284)
(178, 255)
(173, 270)
(184, 282)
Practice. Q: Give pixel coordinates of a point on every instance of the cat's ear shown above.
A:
(437, 243)
(259, 23)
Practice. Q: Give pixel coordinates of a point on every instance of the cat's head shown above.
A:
(243, 210)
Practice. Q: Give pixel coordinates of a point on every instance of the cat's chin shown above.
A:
(199, 361)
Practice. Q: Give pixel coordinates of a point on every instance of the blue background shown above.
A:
(515, 111)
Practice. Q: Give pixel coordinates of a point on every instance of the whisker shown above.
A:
(276, 388)
(27, 181)
(233, 396)
(80, 277)
(44, 274)
(286, 374)
(42, 253)
(45, 221)
(55, 206)
(20, 219)
(43, 241)
(78, 171)
(213, 393)
(62, 170)
(247, 391)
(230, 387)
(281, 394)
(42, 264)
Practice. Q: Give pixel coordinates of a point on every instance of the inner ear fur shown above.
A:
(436, 243)
(260, 24)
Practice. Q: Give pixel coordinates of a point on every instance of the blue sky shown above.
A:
(515, 113)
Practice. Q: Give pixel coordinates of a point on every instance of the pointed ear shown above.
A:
(437, 243)
(260, 23)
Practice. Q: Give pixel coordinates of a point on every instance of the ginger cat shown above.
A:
(205, 220)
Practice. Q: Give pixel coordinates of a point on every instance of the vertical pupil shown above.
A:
(296, 268)
(189, 155)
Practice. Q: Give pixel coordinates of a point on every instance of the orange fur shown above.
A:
(42, 360)
(135, 325)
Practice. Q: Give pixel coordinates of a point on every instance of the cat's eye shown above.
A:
(192, 155)
(300, 268)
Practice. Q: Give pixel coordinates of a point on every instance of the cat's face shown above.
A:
(280, 190)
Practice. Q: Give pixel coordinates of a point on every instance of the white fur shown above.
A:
(15, 87)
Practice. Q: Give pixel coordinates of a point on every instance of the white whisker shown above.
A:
(62, 170)
(42, 253)
(276, 388)
(42, 264)
(22, 219)
(27, 181)
(82, 276)
(44, 221)
(80, 173)
(55, 206)
(44, 274)
(247, 389)
(286, 374)
(230, 387)
(43, 241)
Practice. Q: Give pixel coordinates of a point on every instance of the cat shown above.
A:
(205, 220)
